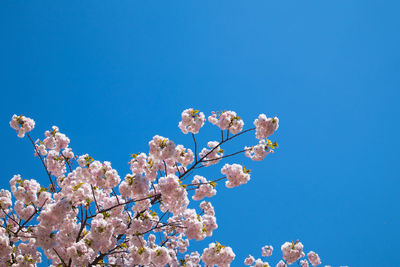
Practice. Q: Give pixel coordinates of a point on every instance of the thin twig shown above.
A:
(230, 155)
(208, 153)
(120, 204)
(195, 146)
(213, 181)
(94, 197)
(63, 262)
(44, 165)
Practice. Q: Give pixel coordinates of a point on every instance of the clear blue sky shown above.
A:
(111, 74)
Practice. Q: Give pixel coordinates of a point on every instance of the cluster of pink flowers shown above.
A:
(5, 248)
(292, 251)
(199, 227)
(266, 251)
(265, 126)
(183, 156)
(304, 263)
(314, 258)
(257, 263)
(204, 189)
(5, 202)
(22, 125)
(213, 155)
(161, 148)
(217, 254)
(134, 186)
(227, 120)
(236, 175)
(102, 175)
(55, 140)
(260, 151)
(192, 121)
(89, 216)
(173, 195)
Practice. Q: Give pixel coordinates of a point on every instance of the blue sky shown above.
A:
(111, 74)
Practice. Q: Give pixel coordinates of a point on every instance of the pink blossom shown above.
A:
(258, 152)
(5, 202)
(260, 263)
(266, 251)
(192, 121)
(204, 189)
(22, 124)
(174, 196)
(292, 251)
(161, 148)
(265, 126)
(160, 256)
(236, 175)
(183, 156)
(5, 248)
(249, 260)
(304, 263)
(207, 208)
(211, 156)
(198, 227)
(313, 258)
(134, 186)
(217, 254)
(227, 120)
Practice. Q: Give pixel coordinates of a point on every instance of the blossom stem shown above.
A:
(44, 165)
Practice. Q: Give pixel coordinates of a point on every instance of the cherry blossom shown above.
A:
(88, 216)
(265, 126)
(236, 175)
(213, 155)
(249, 260)
(304, 263)
(227, 120)
(217, 254)
(313, 258)
(292, 251)
(267, 251)
(204, 189)
(22, 124)
(260, 151)
(192, 121)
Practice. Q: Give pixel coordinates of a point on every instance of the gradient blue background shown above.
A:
(111, 74)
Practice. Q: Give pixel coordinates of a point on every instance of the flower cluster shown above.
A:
(213, 155)
(183, 156)
(204, 188)
(22, 125)
(260, 151)
(217, 254)
(174, 197)
(314, 258)
(227, 120)
(257, 263)
(199, 227)
(267, 251)
(161, 148)
(236, 175)
(292, 251)
(265, 126)
(192, 121)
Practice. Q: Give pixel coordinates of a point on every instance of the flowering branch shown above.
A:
(92, 217)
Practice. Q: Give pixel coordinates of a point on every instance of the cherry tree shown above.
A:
(89, 216)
